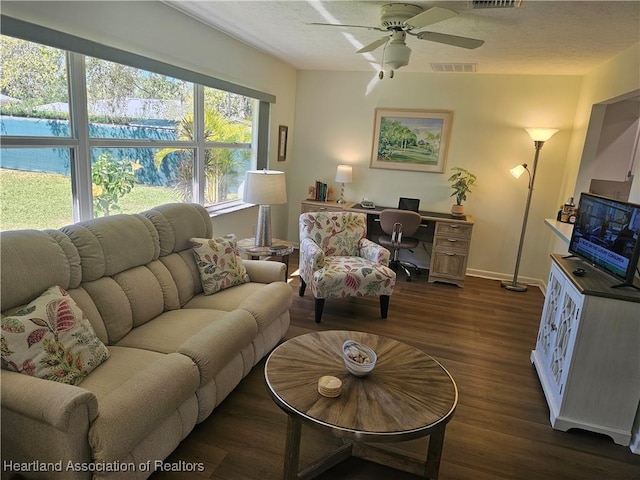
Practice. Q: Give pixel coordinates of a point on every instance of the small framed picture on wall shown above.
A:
(283, 132)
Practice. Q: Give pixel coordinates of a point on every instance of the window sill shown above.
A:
(229, 207)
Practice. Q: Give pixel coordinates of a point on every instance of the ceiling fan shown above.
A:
(400, 19)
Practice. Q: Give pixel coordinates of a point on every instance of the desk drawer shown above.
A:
(451, 244)
(448, 267)
(453, 229)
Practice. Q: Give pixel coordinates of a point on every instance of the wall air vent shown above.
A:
(455, 67)
(495, 3)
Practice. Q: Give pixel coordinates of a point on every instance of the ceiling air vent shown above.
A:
(495, 3)
(455, 67)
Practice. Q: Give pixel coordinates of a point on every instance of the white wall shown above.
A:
(334, 125)
(609, 81)
(613, 79)
(157, 31)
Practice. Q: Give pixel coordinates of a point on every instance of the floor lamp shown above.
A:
(539, 136)
(264, 188)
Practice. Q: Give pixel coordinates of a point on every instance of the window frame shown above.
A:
(80, 143)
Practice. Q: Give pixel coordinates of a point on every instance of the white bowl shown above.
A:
(364, 361)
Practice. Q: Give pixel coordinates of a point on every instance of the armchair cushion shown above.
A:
(352, 276)
(336, 233)
(52, 339)
(219, 264)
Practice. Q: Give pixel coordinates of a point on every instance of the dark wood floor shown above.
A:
(483, 335)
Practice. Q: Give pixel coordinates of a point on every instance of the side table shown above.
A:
(278, 248)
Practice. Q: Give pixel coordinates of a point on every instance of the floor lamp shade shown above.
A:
(541, 134)
(344, 174)
(264, 188)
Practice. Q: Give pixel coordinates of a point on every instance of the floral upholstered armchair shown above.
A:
(337, 259)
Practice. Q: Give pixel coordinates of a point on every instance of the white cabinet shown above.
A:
(587, 353)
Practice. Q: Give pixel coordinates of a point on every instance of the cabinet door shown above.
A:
(567, 321)
(548, 327)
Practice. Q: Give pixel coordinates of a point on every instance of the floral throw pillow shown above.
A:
(51, 338)
(219, 264)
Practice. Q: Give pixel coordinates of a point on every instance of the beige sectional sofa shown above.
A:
(174, 353)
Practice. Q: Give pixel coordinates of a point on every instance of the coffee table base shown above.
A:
(292, 471)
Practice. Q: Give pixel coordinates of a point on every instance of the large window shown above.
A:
(85, 137)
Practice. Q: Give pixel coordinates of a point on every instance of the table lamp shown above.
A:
(344, 174)
(264, 188)
(539, 136)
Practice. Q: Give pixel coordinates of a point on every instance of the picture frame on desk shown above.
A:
(411, 140)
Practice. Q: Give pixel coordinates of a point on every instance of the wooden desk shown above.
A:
(445, 239)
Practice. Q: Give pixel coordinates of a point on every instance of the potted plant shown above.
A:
(461, 182)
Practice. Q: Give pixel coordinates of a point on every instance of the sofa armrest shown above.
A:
(265, 271)
(53, 403)
(374, 252)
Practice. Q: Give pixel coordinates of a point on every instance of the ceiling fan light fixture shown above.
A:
(396, 55)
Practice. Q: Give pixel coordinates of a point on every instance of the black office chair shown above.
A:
(399, 226)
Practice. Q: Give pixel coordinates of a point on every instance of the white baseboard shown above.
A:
(501, 276)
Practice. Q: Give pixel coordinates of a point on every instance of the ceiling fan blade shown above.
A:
(431, 16)
(454, 40)
(347, 26)
(372, 46)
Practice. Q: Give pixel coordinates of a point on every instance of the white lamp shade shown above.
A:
(396, 55)
(541, 134)
(518, 171)
(344, 174)
(265, 187)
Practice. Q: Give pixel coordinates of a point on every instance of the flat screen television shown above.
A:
(606, 236)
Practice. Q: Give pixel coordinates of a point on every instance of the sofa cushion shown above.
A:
(33, 261)
(264, 301)
(227, 300)
(136, 391)
(211, 338)
(219, 264)
(177, 223)
(52, 339)
(110, 245)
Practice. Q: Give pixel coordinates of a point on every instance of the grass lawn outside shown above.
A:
(43, 200)
(412, 155)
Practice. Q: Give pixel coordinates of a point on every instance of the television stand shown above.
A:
(588, 346)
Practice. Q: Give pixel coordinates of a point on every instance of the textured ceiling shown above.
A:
(538, 37)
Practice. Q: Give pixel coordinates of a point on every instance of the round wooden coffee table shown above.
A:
(408, 395)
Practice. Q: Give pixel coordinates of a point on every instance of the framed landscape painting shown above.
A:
(415, 140)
